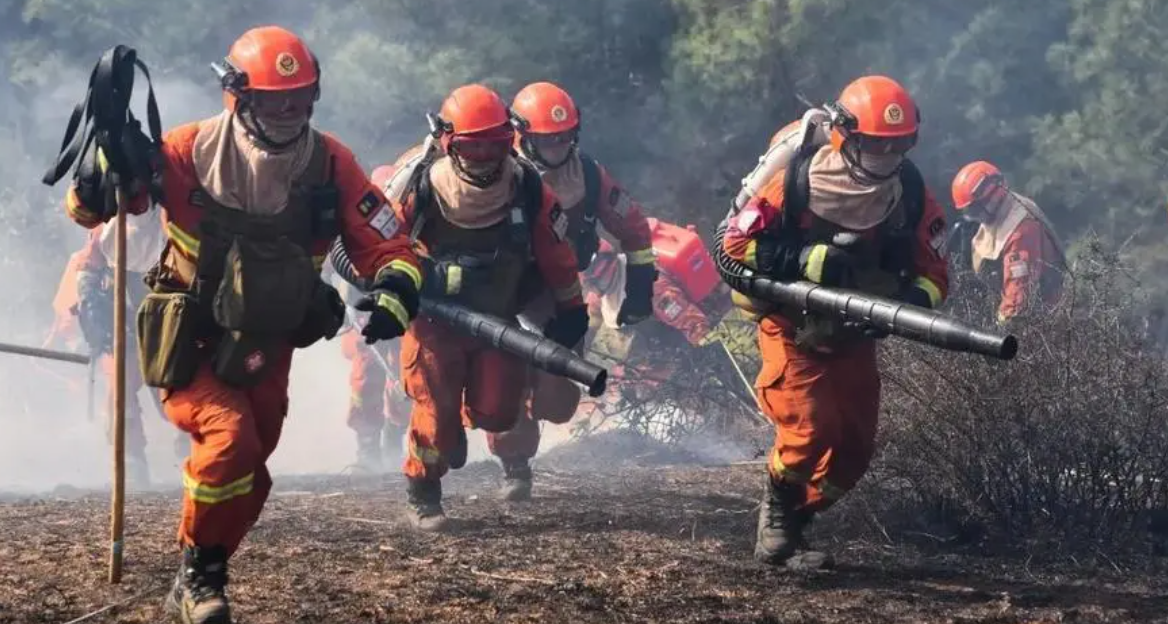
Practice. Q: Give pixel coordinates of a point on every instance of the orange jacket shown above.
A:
(764, 212)
(1031, 264)
(621, 216)
(371, 238)
(554, 257)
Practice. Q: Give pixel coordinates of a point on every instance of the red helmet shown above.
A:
(977, 183)
(475, 126)
(268, 58)
(545, 116)
(874, 115)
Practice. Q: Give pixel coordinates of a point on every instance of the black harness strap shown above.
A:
(104, 117)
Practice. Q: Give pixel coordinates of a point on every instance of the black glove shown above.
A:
(95, 309)
(568, 327)
(827, 265)
(915, 295)
(866, 329)
(391, 304)
(638, 303)
(444, 278)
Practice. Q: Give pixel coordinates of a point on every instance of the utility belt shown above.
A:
(269, 298)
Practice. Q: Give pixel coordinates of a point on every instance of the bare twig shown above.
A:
(146, 592)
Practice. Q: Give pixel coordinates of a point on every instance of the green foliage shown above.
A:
(679, 96)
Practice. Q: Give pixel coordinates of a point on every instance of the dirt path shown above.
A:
(638, 545)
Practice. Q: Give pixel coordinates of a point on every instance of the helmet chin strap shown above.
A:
(482, 180)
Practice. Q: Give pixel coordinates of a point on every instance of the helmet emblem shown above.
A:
(559, 113)
(893, 114)
(287, 65)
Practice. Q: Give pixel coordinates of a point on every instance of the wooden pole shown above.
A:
(48, 354)
(117, 506)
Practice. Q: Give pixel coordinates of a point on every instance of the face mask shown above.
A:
(555, 155)
(480, 168)
(881, 165)
(282, 130)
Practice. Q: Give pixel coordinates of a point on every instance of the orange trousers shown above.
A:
(552, 399)
(825, 409)
(369, 385)
(233, 432)
(454, 379)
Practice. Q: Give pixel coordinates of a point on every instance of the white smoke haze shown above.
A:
(46, 440)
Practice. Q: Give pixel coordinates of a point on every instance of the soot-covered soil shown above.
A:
(642, 541)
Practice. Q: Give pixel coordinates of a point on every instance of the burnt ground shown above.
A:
(639, 542)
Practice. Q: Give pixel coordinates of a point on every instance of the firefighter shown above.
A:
(1015, 249)
(252, 199)
(834, 201)
(94, 312)
(494, 237)
(548, 134)
(378, 411)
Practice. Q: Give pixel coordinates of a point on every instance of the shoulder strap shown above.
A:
(423, 201)
(912, 196)
(591, 186)
(322, 165)
(797, 186)
(530, 191)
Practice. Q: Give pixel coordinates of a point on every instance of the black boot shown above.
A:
(199, 594)
(780, 527)
(368, 453)
(516, 481)
(806, 557)
(424, 505)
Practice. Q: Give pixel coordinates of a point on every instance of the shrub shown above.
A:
(1071, 436)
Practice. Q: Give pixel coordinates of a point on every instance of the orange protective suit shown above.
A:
(369, 385)
(824, 404)
(454, 379)
(90, 264)
(233, 430)
(1021, 258)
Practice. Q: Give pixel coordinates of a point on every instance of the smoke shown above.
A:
(47, 439)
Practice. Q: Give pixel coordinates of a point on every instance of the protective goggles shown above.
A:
(869, 144)
(551, 141)
(268, 103)
(486, 146)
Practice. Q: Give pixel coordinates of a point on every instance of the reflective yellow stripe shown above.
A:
(1002, 318)
(76, 210)
(102, 162)
(568, 292)
(318, 262)
(778, 469)
(211, 494)
(831, 491)
(929, 287)
(187, 244)
(428, 455)
(404, 267)
(751, 258)
(394, 306)
(642, 256)
(453, 280)
(815, 260)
